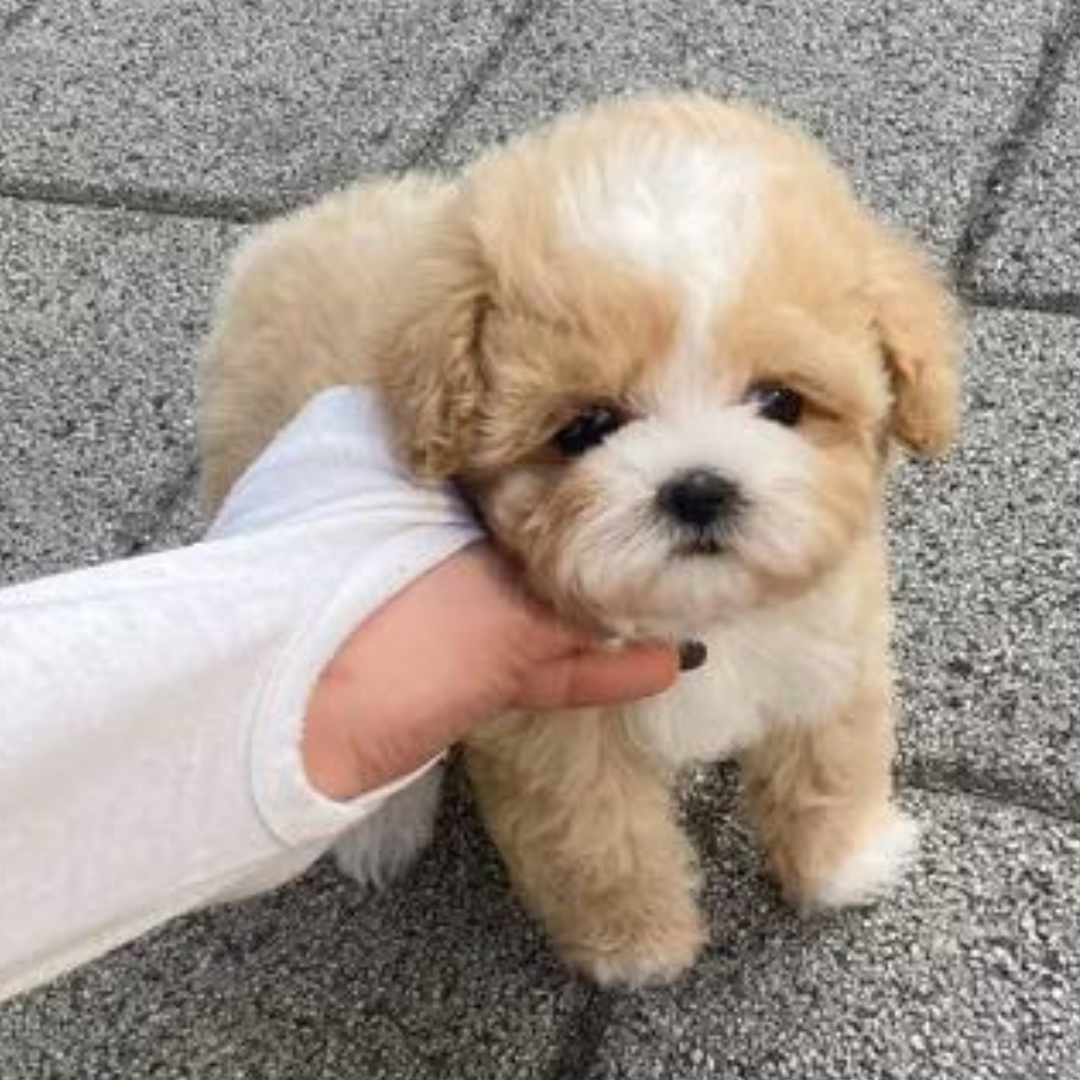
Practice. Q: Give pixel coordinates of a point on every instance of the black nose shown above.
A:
(698, 497)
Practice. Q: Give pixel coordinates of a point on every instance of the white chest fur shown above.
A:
(793, 663)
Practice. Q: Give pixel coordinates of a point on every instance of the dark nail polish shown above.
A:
(692, 654)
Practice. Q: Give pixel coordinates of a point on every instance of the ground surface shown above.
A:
(138, 138)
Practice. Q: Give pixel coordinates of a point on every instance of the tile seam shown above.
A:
(961, 782)
(241, 211)
(1061, 303)
(434, 139)
(23, 13)
(165, 204)
(146, 526)
(583, 1035)
(992, 194)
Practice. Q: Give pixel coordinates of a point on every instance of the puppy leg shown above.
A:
(382, 847)
(586, 825)
(820, 797)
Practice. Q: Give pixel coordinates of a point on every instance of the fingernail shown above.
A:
(692, 654)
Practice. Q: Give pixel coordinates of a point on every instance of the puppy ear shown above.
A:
(431, 372)
(917, 319)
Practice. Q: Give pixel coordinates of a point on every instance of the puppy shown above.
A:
(667, 354)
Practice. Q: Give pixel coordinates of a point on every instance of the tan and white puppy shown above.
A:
(666, 352)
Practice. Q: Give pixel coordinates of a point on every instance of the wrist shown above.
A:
(327, 755)
(353, 741)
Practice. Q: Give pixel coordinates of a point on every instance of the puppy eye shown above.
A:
(777, 402)
(588, 429)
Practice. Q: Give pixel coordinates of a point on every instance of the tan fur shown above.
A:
(310, 301)
(586, 824)
(484, 334)
(816, 792)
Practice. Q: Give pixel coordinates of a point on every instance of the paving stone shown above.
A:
(101, 314)
(987, 574)
(969, 972)
(972, 971)
(9, 10)
(1036, 247)
(180, 522)
(254, 102)
(912, 97)
(441, 976)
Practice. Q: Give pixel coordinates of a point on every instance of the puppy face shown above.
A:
(680, 351)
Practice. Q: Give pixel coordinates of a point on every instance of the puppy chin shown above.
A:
(688, 596)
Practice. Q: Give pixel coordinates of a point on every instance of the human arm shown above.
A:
(152, 711)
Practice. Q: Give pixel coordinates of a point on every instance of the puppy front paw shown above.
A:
(869, 872)
(640, 945)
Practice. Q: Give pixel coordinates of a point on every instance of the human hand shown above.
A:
(457, 647)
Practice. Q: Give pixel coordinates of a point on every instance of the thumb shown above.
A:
(600, 678)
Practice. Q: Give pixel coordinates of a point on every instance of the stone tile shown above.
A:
(970, 971)
(911, 97)
(987, 571)
(180, 522)
(1036, 247)
(10, 10)
(440, 976)
(243, 101)
(101, 314)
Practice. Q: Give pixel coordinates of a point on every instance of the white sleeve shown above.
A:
(151, 710)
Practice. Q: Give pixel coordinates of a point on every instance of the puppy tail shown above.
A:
(383, 847)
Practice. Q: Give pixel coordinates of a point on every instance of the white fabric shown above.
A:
(151, 709)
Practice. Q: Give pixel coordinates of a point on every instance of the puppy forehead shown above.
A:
(673, 207)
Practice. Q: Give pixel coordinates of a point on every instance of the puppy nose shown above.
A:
(698, 497)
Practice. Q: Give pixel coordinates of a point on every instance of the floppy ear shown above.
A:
(431, 371)
(917, 320)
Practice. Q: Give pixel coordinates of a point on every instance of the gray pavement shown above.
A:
(911, 98)
(987, 576)
(233, 108)
(1037, 245)
(102, 310)
(137, 139)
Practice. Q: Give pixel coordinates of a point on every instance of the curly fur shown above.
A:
(664, 254)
